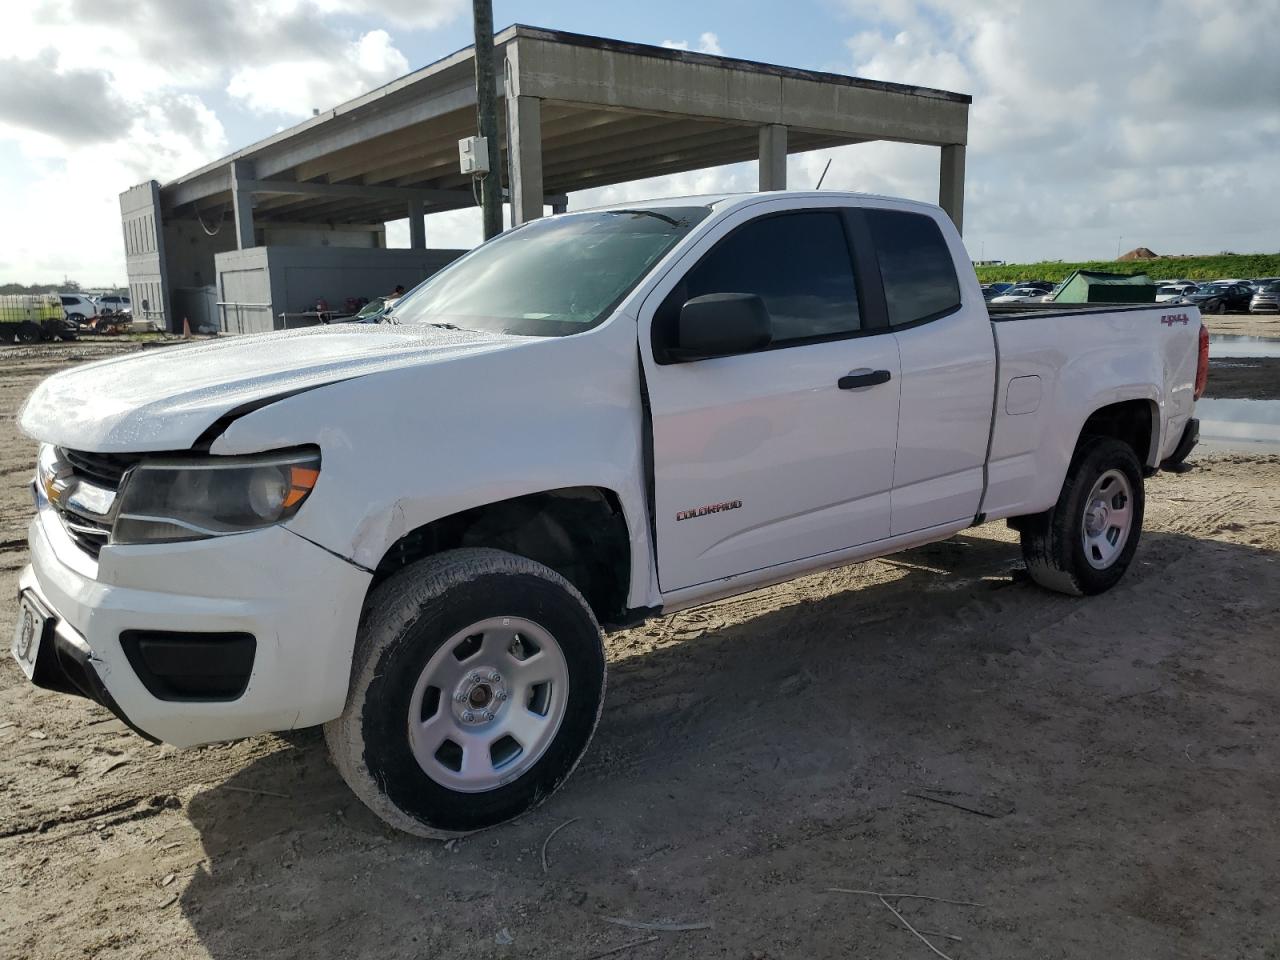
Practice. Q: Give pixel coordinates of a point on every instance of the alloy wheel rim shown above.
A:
(1108, 519)
(488, 704)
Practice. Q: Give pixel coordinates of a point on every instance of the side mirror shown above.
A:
(720, 325)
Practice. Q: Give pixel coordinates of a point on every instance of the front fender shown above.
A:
(403, 448)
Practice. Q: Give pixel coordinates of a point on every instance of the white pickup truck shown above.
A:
(410, 533)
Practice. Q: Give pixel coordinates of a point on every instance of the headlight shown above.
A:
(167, 500)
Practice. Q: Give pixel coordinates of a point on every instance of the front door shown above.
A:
(781, 453)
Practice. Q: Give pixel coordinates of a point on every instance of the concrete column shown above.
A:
(417, 226)
(773, 157)
(524, 148)
(951, 183)
(242, 204)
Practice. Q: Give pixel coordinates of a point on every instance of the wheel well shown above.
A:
(579, 532)
(1130, 421)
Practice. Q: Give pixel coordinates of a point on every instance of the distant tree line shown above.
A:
(1241, 266)
(68, 286)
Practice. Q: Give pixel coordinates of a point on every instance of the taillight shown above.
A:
(1202, 366)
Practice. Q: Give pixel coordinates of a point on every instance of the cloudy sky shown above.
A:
(1096, 124)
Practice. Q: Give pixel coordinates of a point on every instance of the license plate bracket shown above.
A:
(31, 632)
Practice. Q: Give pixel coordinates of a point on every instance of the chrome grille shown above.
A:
(90, 535)
(90, 531)
(103, 469)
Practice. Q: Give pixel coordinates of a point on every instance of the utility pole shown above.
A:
(487, 116)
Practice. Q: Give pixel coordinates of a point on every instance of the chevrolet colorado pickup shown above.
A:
(411, 532)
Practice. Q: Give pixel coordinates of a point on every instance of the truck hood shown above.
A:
(166, 397)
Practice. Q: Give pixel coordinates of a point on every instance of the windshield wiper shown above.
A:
(649, 213)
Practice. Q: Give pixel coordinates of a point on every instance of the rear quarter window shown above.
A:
(919, 275)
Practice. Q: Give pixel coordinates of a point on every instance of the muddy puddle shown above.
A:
(1231, 347)
(1241, 409)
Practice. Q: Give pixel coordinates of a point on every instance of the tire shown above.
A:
(28, 333)
(1061, 552)
(417, 626)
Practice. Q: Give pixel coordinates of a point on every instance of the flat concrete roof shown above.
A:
(611, 112)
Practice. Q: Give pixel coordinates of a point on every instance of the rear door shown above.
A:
(762, 458)
(947, 351)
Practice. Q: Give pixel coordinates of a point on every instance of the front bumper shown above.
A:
(300, 603)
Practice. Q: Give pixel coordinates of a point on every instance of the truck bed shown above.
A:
(1049, 383)
(1001, 312)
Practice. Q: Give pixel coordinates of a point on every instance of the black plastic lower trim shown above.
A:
(178, 666)
(66, 668)
(632, 617)
(1190, 437)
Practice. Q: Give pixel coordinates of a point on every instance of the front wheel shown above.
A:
(477, 683)
(1084, 544)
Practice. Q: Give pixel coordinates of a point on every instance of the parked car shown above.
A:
(1266, 299)
(1261, 283)
(1219, 297)
(1020, 295)
(411, 534)
(1167, 293)
(79, 309)
(990, 290)
(110, 305)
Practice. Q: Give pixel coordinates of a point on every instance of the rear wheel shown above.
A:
(477, 683)
(28, 333)
(1086, 542)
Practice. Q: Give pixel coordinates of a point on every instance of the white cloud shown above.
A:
(1158, 121)
(98, 95)
(707, 43)
(421, 14)
(69, 208)
(296, 87)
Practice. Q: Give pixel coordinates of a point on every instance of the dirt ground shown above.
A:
(1100, 775)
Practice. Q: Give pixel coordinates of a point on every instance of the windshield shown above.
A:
(553, 277)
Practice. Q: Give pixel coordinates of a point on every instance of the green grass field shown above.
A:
(1244, 266)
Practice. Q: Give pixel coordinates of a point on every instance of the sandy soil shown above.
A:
(1100, 774)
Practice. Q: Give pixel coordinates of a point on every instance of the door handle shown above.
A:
(863, 378)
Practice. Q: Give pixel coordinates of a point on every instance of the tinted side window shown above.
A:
(798, 263)
(916, 266)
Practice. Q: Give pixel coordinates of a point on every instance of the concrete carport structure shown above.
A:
(578, 112)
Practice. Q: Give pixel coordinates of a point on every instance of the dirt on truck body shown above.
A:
(1091, 778)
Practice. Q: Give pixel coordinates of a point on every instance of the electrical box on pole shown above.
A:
(473, 155)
